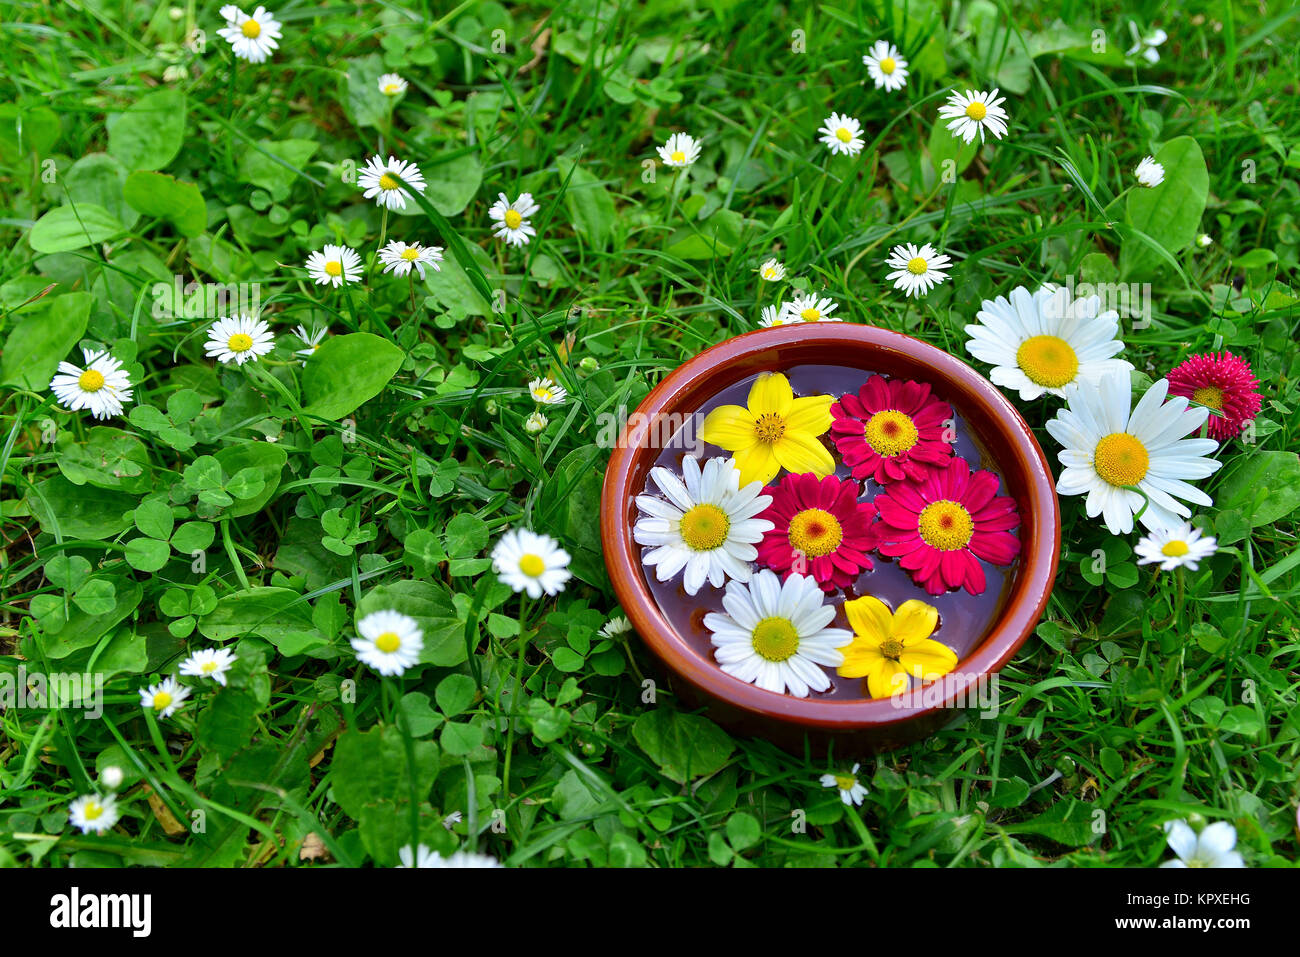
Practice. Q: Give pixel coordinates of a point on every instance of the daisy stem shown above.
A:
(408, 744)
(517, 697)
(1178, 596)
(411, 279)
(383, 232)
(893, 232)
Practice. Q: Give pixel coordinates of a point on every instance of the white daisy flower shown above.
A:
(102, 386)
(111, 777)
(334, 265)
(392, 84)
(535, 423)
(452, 819)
(545, 392)
(239, 338)
(253, 36)
(772, 270)
(399, 257)
(616, 627)
(681, 150)
(94, 812)
(1149, 172)
(209, 663)
(706, 523)
(1204, 240)
(810, 308)
(379, 181)
(1146, 44)
(427, 858)
(390, 642)
(842, 134)
(1045, 341)
(311, 340)
(974, 112)
(1176, 547)
(530, 562)
(852, 791)
(1125, 460)
(887, 69)
(512, 218)
(1213, 847)
(775, 635)
(917, 271)
(778, 316)
(164, 697)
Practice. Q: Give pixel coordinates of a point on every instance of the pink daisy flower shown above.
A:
(1223, 382)
(942, 526)
(821, 529)
(891, 430)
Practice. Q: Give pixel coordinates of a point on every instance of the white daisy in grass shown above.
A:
(917, 269)
(1045, 341)
(239, 339)
(423, 857)
(1215, 846)
(310, 340)
(777, 316)
(94, 812)
(811, 308)
(680, 151)
(1127, 460)
(776, 635)
(399, 258)
(1149, 173)
(209, 663)
(512, 218)
(1146, 44)
(531, 562)
(164, 697)
(392, 84)
(452, 819)
(616, 627)
(390, 642)
(852, 791)
(973, 112)
(842, 134)
(102, 386)
(1204, 240)
(544, 391)
(334, 265)
(253, 36)
(380, 181)
(1179, 546)
(772, 270)
(885, 66)
(706, 523)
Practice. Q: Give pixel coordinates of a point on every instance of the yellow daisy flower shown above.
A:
(776, 432)
(887, 647)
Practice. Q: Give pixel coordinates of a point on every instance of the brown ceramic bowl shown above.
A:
(854, 726)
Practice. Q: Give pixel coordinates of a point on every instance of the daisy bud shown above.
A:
(111, 777)
(588, 365)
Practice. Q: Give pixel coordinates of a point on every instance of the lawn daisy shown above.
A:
(1127, 460)
(887, 69)
(423, 857)
(164, 697)
(392, 84)
(111, 777)
(251, 37)
(773, 431)
(239, 339)
(974, 112)
(334, 265)
(777, 316)
(681, 150)
(530, 562)
(772, 271)
(536, 423)
(819, 529)
(512, 218)
(888, 646)
(311, 341)
(1045, 341)
(1149, 172)
(1213, 847)
(917, 270)
(811, 308)
(209, 663)
(94, 812)
(842, 134)
(1146, 44)
(390, 642)
(379, 181)
(1175, 547)
(616, 627)
(544, 391)
(452, 819)
(1204, 240)
(399, 257)
(102, 386)
(852, 791)
(706, 523)
(775, 635)
(943, 526)
(1223, 383)
(892, 429)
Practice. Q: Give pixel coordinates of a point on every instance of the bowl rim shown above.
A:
(1040, 529)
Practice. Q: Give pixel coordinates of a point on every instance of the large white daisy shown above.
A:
(334, 265)
(885, 66)
(1176, 547)
(681, 150)
(531, 562)
(379, 181)
(390, 642)
(253, 36)
(102, 386)
(398, 258)
(512, 218)
(1215, 846)
(239, 339)
(917, 270)
(810, 308)
(974, 112)
(209, 663)
(842, 134)
(94, 812)
(165, 697)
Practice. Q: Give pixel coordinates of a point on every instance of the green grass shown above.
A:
(1143, 697)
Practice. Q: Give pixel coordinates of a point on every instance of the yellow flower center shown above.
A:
(945, 525)
(917, 266)
(333, 269)
(92, 380)
(890, 432)
(705, 527)
(1210, 395)
(887, 65)
(251, 29)
(93, 811)
(161, 700)
(1121, 460)
(543, 394)
(891, 648)
(411, 255)
(977, 111)
(208, 667)
(239, 342)
(1175, 549)
(845, 782)
(388, 181)
(532, 565)
(843, 135)
(815, 532)
(388, 642)
(769, 273)
(810, 314)
(678, 156)
(1047, 361)
(775, 639)
(769, 427)
(513, 219)
(392, 89)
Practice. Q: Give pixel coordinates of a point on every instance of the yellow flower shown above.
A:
(776, 432)
(888, 647)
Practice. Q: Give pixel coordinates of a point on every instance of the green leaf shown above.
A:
(432, 608)
(97, 597)
(453, 184)
(467, 535)
(67, 571)
(194, 537)
(148, 135)
(257, 168)
(371, 766)
(743, 830)
(459, 738)
(26, 131)
(165, 197)
(1265, 486)
(455, 693)
(685, 746)
(65, 228)
(107, 458)
(154, 518)
(266, 459)
(47, 336)
(347, 371)
(589, 204)
(1169, 213)
(147, 554)
(79, 511)
(276, 614)
(423, 552)
(99, 178)
(1069, 822)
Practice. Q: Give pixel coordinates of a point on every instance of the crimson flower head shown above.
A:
(1223, 382)
(891, 429)
(821, 529)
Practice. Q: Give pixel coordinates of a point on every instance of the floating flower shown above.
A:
(772, 271)
(399, 257)
(1213, 847)
(917, 270)
(1223, 383)
(777, 316)
(102, 386)
(887, 69)
(423, 857)
(94, 812)
(1176, 547)
(209, 663)
(776, 431)
(536, 423)
(707, 526)
(973, 113)
(942, 526)
(820, 529)
(390, 642)
(887, 647)
(680, 151)
(1043, 342)
(334, 265)
(310, 340)
(164, 697)
(892, 429)
(252, 37)
(383, 182)
(392, 84)
(1126, 461)
(842, 134)
(811, 308)
(852, 791)
(239, 339)
(1149, 172)
(545, 392)
(512, 218)
(531, 562)
(775, 635)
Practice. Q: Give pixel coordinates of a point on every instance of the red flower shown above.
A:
(1223, 382)
(940, 527)
(821, 529)
(891, 430)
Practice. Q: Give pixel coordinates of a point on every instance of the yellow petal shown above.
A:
(890, 679)
(770, 392)
(730, 427)
(860, 660)
(810, 414)
(928, 659)
(914, 621)
(869, 618)
(757, 464)
(800, 452)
